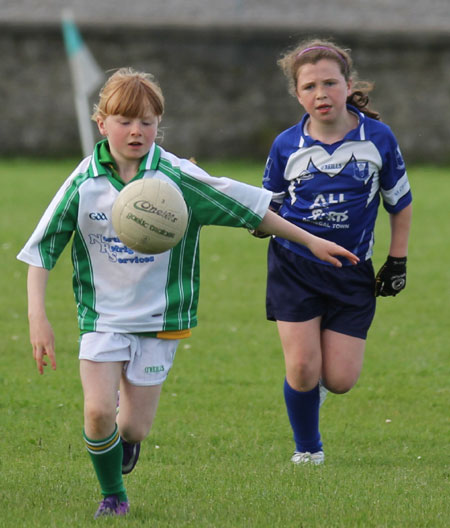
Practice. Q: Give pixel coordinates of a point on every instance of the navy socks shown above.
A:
(303, 413)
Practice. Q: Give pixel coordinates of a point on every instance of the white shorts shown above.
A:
(148, 360)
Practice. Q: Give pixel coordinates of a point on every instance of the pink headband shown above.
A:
(312, 48)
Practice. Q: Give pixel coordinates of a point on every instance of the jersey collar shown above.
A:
(103, 164)
(306, 140)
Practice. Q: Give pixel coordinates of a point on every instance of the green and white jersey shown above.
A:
(120, 290)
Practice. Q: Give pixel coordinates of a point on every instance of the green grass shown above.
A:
(218, 453)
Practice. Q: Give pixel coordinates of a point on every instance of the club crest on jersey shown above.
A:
(360, 170)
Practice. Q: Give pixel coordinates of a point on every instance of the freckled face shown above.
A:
(322, 90)
(130, 138)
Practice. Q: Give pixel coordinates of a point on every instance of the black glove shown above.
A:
(391, 278)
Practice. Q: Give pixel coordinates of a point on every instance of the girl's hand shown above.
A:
(327, 251)
(43, 342)
(321, 248)
(391, 279)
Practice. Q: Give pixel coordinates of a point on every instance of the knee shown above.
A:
(98, 418)
(339, 389)
(134, 432)
(340, 378)
(339, 386)
(302, 376)
(134, 435)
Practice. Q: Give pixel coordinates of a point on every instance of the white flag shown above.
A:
(86, 78)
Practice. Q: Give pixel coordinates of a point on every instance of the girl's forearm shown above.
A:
(400, 228)
(36, 286)
(276, 225)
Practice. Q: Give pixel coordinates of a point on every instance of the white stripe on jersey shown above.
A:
(149, 161)
(392, 196)
(375, 187)
(332, 164)
(362, 132)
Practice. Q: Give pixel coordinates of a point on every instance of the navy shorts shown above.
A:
(299, 289)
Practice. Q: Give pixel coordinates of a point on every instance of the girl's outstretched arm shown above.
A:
(322, 249)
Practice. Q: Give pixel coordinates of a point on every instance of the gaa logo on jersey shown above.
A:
(98, 216)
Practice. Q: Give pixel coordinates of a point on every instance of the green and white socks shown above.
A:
(106, 456)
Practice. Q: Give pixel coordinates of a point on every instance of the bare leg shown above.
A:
(301, 344)
(100, 382)
(137, 411)
(342, 360)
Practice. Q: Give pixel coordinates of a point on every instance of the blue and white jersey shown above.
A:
(333, 191)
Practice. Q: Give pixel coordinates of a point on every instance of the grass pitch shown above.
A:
(218, 455)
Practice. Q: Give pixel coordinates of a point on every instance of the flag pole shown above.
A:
(86, 77)
(84, 124)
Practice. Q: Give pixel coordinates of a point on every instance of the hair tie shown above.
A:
(327, 48)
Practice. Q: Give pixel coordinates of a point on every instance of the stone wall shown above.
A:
(224, 93)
